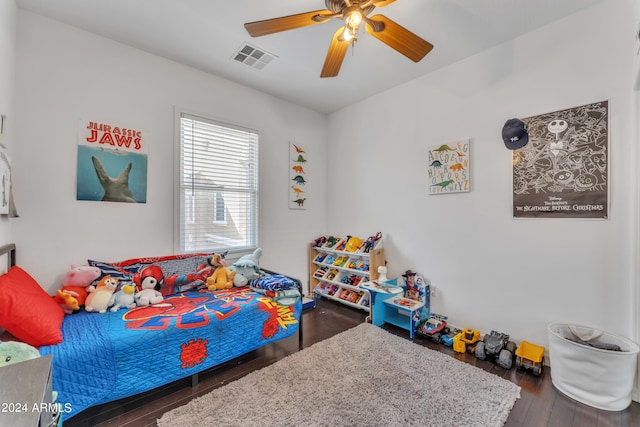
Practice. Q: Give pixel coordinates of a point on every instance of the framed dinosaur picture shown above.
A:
(448, 169)
(298, 169)
(112, 163)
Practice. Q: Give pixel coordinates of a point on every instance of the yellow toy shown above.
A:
(530, 356)
(466, 341)
(222, 277)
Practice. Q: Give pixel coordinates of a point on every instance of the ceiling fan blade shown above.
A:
(335, 55)
(382, 3)
(398, 37)
(284, 23)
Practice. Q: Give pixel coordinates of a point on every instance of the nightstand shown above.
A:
(25, 394)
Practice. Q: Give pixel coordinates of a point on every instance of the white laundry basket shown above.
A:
(596, 377)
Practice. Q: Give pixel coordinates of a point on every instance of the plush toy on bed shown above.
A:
(14, 352)
(75, 287)
(99, 297)
(148, 282)
(124, 298)
(222, 277)
(247, 268)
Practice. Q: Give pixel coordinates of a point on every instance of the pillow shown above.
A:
(274, 282)
(182, 272)
(26, 311)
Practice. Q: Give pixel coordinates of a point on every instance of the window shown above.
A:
(218, 186)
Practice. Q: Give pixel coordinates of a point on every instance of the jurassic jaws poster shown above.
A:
(562, 171)
(112, 163)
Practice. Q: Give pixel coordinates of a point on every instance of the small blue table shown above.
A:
(388, 306)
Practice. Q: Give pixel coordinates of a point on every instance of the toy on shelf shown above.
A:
(319, 242)
(497, 346)
(340, 261)
(369, 244)
(331, 241)
(433, 327)
(530, 356)
(353, 243)
(466, 340)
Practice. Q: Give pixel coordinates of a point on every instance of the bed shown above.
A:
(113, 355)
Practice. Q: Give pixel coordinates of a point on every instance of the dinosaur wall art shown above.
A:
(298, 176)
(448, 167)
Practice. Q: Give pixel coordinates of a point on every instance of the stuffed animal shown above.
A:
(99, 297)
(222, 277)
(67, 301)
(148, 282)
(14, 352)
(246, 268)
(124, 298)
(76, 284)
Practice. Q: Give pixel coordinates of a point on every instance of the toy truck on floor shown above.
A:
(433, 328)
(466, 341)
(530, 356)
(497, 346)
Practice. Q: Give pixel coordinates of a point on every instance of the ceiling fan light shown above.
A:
(353, 19)
(348, 34)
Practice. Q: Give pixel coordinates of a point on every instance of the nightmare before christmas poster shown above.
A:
(562, 171)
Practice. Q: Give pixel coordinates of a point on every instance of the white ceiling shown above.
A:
(205, 34)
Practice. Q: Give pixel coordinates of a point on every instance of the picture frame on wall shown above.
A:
(298, 176)
(449, 167)
(562, 172)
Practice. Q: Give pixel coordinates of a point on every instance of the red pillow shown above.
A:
(26, 311)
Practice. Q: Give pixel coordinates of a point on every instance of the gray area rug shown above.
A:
(361, 377)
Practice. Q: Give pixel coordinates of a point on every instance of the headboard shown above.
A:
(10, 251)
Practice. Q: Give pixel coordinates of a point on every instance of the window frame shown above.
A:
(179, 217)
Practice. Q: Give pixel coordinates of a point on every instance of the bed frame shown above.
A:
(9, 250)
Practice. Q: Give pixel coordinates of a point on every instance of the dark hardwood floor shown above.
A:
(540, 403)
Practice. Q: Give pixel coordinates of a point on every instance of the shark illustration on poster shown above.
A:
(112, 163)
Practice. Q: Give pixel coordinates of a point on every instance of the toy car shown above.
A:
(497, 345)
(530, 356)
(447, 339)
(466, 341)
(433, 328)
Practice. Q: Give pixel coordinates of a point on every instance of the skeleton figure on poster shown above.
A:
(563, 168)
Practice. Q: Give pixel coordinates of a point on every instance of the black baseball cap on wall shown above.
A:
(515, 134)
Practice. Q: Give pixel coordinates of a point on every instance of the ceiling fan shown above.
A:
(353, 13)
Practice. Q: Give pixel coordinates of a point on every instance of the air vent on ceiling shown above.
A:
(253, 56)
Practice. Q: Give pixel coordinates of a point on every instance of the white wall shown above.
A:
(493, 271)
(65, 74)
(8, 22)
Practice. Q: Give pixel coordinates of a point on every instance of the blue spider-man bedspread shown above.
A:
(109, 356)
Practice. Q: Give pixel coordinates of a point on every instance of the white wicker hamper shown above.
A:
(600, 378)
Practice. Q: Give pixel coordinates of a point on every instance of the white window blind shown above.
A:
(218, 186)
